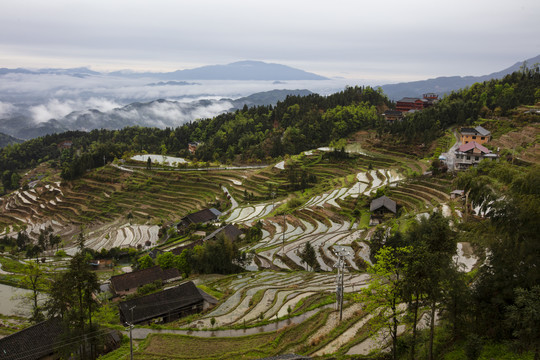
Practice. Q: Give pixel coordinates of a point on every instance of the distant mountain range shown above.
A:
(241, 70)
(6, 140)
(446, 84)
(158, 113)
(31, 113)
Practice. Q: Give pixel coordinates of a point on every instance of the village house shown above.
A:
(167, 305)
(35, 342)
(43, 342)
(229, 231)
(128, 283)
(478, 135)
(102, 264)
(380, 208)
(392, 115)
(200, 217)
(457, 194)
(192, 146)
(471, 154)
(66, 144)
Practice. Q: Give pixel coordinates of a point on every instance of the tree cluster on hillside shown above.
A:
(293, 125)
(296, 124)
(217, 256)
(494, 303)
(464, 107)
(71, 299)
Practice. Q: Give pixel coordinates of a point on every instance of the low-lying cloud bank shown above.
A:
(35, 104)
(48, 118)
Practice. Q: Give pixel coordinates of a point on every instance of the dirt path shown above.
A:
(451, 154)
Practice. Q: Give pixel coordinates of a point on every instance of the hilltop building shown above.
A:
(411, 103)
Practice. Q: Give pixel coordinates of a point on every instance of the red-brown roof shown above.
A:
(471, 145)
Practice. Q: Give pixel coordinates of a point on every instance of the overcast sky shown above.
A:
(377, 39)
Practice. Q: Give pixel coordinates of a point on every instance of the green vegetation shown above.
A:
(493, 308)
(465, 107)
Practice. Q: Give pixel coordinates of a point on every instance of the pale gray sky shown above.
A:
(392, 40)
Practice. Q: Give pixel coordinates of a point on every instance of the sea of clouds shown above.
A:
(43, 97)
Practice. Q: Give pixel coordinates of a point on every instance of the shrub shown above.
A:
(60, 253)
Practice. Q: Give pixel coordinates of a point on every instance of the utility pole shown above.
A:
(284, 226)
(130, 332)
(340, 265)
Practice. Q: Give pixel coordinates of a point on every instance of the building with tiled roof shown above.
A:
(44, 341)
(392, 115)
(381, 206)
(383, 203)
(477, 134)
(167, 305)
(471, 154)
(200, 217)
(230, 232)
(128, 283)
(33, 343)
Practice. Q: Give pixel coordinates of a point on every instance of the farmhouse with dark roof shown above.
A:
(167, 305)
(200, 217)
(128, 283)
(380, 207)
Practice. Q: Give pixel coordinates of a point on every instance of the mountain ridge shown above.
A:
(445, 84)
(240, 70)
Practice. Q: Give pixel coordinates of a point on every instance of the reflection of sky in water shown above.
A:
(11, 302)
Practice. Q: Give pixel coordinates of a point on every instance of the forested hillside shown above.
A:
(296, 124)
(6, 140)
(491, 98)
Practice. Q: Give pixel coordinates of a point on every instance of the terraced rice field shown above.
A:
(282, 302)
(277, 292)
(102, 199)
